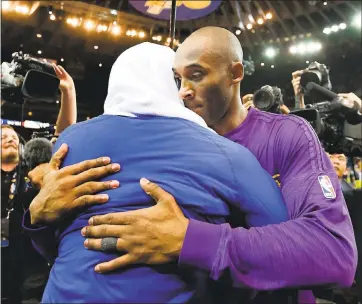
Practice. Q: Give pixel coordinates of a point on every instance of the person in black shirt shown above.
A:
(23, 271)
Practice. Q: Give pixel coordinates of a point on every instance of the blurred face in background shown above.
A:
(9, 146)
(339, 162)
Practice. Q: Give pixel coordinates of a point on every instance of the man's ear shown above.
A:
(237, 70)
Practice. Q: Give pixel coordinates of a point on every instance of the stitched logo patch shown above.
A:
(327, 187)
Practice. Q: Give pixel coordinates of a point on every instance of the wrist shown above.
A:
(181, 237)
(34, 213)
(69, 90)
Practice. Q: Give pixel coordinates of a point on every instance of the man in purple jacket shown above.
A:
(315, 247)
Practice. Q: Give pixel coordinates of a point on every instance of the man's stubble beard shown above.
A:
(10, 158)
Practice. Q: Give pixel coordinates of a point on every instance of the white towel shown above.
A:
(142, 82)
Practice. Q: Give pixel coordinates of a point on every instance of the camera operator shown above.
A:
(350, 98)
(248, 102)
(24, 272)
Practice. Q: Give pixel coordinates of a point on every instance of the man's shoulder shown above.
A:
(289, 126)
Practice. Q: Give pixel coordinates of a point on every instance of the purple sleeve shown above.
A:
(43, 238)
(316, 246)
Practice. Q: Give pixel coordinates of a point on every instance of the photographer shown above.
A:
(299, 92)
(279, 107)
(23, 270)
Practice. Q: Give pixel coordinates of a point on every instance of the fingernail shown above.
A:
(86, 243)
(116, 167)
(97, 269)
(62, 146)
(103, 197)
(84, 230)
(114, 184)
(90, 222)
(144, 181)
(106, 160)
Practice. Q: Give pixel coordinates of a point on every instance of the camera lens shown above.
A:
(263, 99)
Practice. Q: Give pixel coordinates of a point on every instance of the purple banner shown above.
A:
(186, 10)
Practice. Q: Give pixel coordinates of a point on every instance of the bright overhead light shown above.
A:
(293, 49)
(272, 66)
(114, 12)
(262, 64)
(62, 59)
(100, 65)
(52, 17)
(357, 21)
(260, 21)
(128, 33)
(238, 32)
(141, 34)
(342, 26)
(89, 25)
(30, 113)
(102, 28)
(96, 47)
(38, 35)
(335, 28)
(307, 62)
(5, 5)
(22, 9)
(325, 3)
(270, 52)
(268, 16)
(327, 31)
(301, 48)
(116, 30)
(73, 21)
(39, 52)
(57, 101)
(249, 26)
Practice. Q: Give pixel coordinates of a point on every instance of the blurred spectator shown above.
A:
(23, 271)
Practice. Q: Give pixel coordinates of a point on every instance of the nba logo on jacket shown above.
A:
(327, 187)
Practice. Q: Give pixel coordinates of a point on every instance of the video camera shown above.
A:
(317, 73)
(333, 120)
(28, 78)
(268, 99)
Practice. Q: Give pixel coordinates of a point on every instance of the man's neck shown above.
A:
(235, 115)
(8, 167)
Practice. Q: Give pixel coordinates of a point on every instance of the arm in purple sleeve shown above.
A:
(43, 238)
(316, 246)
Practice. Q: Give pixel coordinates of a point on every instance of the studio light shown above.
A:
(342, 26)
(293, 49)
(268, 16)
(327, 31)
(96, 47)
(5, 5)
(335, 28)
(238, 32)
(270, 52)
(141, 34)
(89, 25)
(357, 21)
(260, 21)
(249, 26)
(262, 64)
(52, 17)
(116, 30)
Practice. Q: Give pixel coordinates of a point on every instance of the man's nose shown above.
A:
(186, 93)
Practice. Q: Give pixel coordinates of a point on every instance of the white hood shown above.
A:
(142, 82)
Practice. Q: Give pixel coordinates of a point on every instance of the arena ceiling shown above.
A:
(290, 20)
